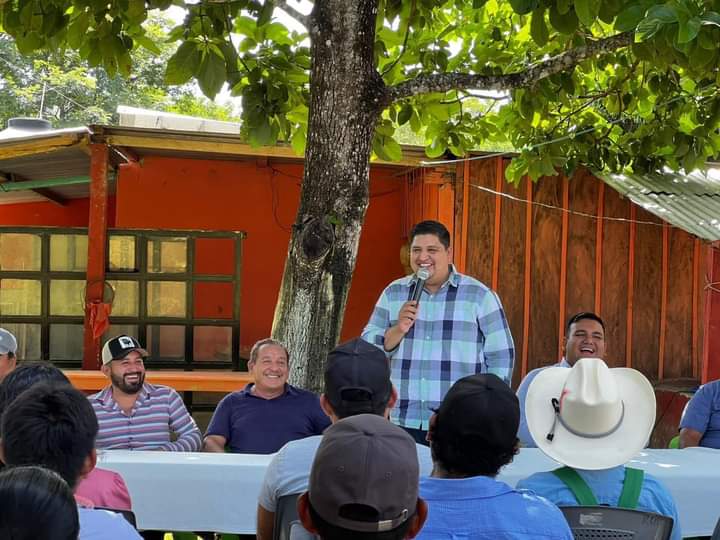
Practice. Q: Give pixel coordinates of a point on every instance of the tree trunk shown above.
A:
(345, 103)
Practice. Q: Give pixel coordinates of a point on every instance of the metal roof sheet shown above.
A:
(688, 201)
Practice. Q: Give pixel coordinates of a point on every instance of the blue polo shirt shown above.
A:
(703, 414)
(254, 425)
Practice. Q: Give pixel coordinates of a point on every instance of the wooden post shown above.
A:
(711, 348)
(97, 241)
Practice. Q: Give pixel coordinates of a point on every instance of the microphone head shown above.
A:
(422, 274)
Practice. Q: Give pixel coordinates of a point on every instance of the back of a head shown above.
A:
(364, 481)
(52, 425)
(36, 503)
(475, 427)
(357, 379)
(26, 375)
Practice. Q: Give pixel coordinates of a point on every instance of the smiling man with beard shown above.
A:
(584, 338)
(135, 415)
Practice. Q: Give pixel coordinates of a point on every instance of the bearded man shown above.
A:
(135, 415)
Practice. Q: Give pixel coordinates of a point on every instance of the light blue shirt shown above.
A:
(104, 525)
(289, 471)
(703, 414)
(607, 486)
(523, 432)
(480, 507)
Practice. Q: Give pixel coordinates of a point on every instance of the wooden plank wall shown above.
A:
(578, 246)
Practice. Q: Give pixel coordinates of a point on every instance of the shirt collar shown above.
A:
(474, 487)
(453, 278)
(289, 390)
(106, 399)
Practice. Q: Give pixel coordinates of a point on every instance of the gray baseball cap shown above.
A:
(365, 460)
(8, 343)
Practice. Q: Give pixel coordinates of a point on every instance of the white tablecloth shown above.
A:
(218, 492)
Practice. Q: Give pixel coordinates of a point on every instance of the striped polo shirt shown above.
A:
(157, 421)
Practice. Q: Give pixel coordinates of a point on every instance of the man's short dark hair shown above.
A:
(432, 227)
(255, 351)
(475, 427)
(26, 375)
(328, 531)
(52, 425)
(582, 316)
(36, 503)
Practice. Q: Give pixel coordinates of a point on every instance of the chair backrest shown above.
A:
(716, 532)
(129, 515)
(597, 522)
(286, 516)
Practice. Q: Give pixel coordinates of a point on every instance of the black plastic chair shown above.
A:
(607, 522)
(129, 515)
(286, 515)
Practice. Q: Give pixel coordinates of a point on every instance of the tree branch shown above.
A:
(443, 82)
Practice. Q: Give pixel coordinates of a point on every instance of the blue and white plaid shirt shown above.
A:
(460, 330)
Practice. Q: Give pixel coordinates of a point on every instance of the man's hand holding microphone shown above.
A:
(408, 312)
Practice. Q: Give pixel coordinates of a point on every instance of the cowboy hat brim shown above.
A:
(579, 452)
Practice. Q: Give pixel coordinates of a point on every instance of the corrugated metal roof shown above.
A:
(688, 201)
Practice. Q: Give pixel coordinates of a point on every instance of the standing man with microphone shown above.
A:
(437, 326)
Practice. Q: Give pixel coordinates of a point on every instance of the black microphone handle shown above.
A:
(419, 285)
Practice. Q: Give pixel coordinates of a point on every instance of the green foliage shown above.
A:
(638, 108)
(72, 92)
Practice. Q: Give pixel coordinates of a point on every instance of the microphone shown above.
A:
(421, 277)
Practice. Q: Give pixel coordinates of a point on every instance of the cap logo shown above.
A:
(126, 342)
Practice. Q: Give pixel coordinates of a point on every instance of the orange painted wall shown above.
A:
(47, 214)
(260, 199)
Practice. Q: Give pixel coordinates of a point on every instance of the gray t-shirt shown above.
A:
(289, 471)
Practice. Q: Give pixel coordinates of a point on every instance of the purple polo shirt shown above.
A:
(254, 425)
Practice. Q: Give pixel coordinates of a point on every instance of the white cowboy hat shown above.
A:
(590, 416)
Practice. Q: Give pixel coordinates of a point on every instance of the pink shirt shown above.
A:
(104, 488)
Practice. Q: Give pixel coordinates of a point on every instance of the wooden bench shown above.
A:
(192, 381)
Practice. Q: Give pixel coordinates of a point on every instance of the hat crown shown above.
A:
(590, 402)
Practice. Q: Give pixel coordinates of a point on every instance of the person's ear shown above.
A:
(393, 397)
(431, 427)
(327, 408)
(2, 452)
(450, 253)
(303, 508)
(105, 368)
(89, 464)
(418, 520)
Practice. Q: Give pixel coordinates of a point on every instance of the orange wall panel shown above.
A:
(46, 214)
(261, 200)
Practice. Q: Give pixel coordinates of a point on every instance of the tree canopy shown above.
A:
(614, 84)
(67, 90)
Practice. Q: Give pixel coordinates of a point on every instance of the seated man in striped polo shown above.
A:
(135, 415)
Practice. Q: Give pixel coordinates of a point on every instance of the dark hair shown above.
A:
(357, 512)
(431, 227)
(358, 401)
(469, 455)
(52, 425)
(36, 503)
(26, 375)
(267, 341)
(582, 316)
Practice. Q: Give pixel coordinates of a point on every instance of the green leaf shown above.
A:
(212, 73)
(689, 30)
(587, 11)
(265, 13)
(711, 18)
(245, 26)
(148, 44)
(664, 13)
(523, 7)
(298, 141)
(392, 149)
(538, 28)
(629, 18)
(565, 23)
(183, 64)
(436, 148)
(404, 114)
(261, 134)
